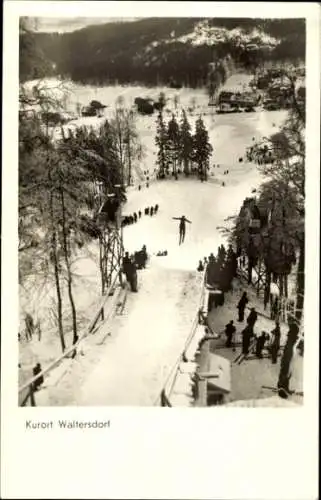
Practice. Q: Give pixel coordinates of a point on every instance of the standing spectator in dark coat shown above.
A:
(36, 370)
(260, 341)
(135, 217)
(225, 278)
(241, 306)
(275, 308)
(139, 214)
(156, 208)
(252, 317)
(151, 211)
(275, 346)
(211, 275)
(229, 332)
(247, 334)
(132, 276)
(200, 266)
(144, 255)
(221, 254)
(126, 264)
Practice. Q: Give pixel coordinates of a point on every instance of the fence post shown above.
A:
(202, 392)
(32, 395)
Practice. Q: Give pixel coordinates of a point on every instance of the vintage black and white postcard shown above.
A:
(160, 249)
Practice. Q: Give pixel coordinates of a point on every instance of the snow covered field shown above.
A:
(157, 320)
(237, 129)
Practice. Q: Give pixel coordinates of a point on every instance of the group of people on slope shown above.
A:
(219, 274)
(248, 334)
(31, 327)
(132, 219)
(131, 263)
(146, 185)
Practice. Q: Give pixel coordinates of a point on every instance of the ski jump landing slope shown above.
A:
(142, 346)
(146, 341)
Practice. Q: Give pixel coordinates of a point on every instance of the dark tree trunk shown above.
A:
(284, 376)
(120, 149)
(174, 167)
(258, 278)
(53, 244)
(286, 286)
(300, 281)
(69, 274)
(267, 289)
(186, 169)
(101, 267)
(249, 270)
(129, 163)
(281, 281)
(205, 172)
(56, 273)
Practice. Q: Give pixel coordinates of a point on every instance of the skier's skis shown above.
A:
(241, 357)
(281, 389)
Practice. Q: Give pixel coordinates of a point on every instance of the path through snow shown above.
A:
(143, 346)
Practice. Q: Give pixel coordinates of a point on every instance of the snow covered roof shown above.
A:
(218, 373)
(271, 402)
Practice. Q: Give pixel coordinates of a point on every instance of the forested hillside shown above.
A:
(160, 50)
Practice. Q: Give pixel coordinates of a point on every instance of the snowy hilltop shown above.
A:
(161, 50)
(204, 34)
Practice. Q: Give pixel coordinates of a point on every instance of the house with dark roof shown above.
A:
(233, 101)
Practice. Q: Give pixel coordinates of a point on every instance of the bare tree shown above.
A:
(126, 140)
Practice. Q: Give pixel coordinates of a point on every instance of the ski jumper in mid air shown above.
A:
(182, 227)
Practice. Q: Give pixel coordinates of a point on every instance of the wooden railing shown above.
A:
(163, 399)
(29, 385)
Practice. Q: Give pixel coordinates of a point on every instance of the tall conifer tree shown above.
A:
(161, 140)
(202, 149)
(186, 143)
(173, 144)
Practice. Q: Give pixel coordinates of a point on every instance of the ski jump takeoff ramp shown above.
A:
(145, 341)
